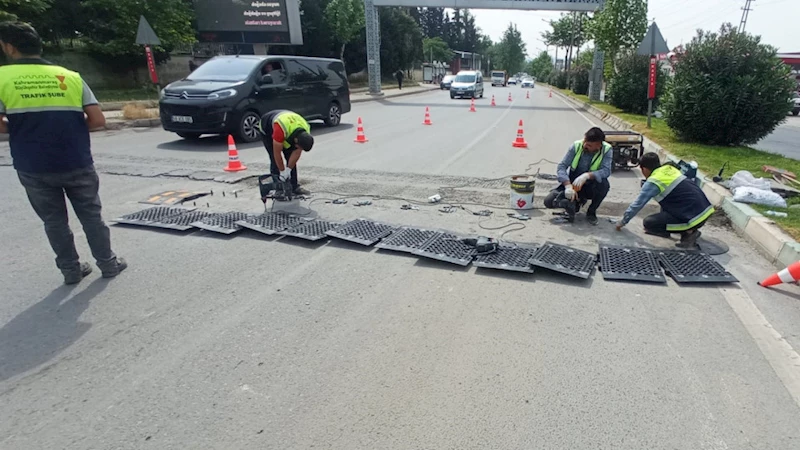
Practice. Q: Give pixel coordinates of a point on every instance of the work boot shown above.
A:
(689, 239)
(300, 191)
(118, 266)
(591, 217)
(75, 276)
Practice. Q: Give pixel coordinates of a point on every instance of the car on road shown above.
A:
(527, 83)
(513, 80)
(467, 83)
(499, 78)
(229, 94)
(795, 104)
(446, 82)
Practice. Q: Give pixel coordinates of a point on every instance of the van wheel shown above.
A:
(248, 127)
(189, 136)
(334, 116)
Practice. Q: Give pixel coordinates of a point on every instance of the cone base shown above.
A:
(361, 141)
(520, 144)
(235, 169)
(427, 123)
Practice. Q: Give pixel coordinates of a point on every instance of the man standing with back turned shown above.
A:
(48, 112)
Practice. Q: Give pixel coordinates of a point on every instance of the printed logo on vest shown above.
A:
(61, 84)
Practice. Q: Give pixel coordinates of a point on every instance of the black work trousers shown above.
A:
(46, 193)
(657, 223)
(591, 191)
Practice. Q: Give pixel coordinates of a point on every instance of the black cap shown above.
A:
(305, 140)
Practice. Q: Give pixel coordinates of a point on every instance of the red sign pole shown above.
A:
(151, 64)
(651, 92)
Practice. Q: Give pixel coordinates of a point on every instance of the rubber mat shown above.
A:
(313, 230)
(513, 257)
(694, 267)
(448, 248)
(408, 239)
(224, 223)
(361, 231)
(269, 223)
(563, 259)
(630, 264)
(181, 222)
(146, 216)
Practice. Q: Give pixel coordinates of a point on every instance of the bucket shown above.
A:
(522, 187)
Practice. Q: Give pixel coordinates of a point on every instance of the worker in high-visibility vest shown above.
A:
(684, 206)
(286, 135)
(583, 176)
(48, 112)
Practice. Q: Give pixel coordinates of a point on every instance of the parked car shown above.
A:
(795, 104)
(228, 94)
(446, 82)
(527, 83)
(468, 83)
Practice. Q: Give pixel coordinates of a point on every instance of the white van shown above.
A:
(467, 83)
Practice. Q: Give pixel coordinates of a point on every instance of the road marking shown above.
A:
(474, 142)
(778, 352)
(591, 122)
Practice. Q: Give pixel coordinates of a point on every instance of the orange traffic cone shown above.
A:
(527, 94)
(234, 165)
(551, 93)
(520, 142)
(493, 103)
(509, 96)
(787, 275)
(472, 106)
(427, 120)
(360, 138)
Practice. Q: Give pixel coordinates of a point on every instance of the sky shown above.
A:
(776, 21)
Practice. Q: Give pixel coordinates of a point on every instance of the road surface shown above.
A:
(785, 140)
(258, 342)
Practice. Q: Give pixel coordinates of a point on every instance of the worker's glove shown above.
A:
(286, 174)
(581, 180)
(569, 193)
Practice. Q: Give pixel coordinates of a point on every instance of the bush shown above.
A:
(580, 80)
(729, 89)
(558, 79)
(628, 89)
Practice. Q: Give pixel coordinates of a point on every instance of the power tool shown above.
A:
(271, 187)
(483, 245)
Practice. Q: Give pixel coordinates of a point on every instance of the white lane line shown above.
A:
(591, 122)
(779, 353)
(447, 164)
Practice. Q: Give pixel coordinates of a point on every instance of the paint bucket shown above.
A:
(522, 187)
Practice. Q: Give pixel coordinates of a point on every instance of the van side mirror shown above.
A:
(266, 79)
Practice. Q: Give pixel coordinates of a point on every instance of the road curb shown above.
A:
(117, 106)
(770, 240)
(401, 94)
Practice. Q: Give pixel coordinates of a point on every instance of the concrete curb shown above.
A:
(399, 94)
(763, 233)
(117, 106)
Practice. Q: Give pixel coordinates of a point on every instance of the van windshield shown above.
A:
(225, 69)
(498, 74)
(465, 79)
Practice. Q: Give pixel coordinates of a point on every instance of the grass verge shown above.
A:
(125, 95)
(710, 158)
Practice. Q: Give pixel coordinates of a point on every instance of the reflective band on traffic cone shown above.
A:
(360, 137)
(787, 275)
(472, 106)
(493, 103)
(509, 96)
(527, 94)
(520, 142)
(234, 165)
(427, 117)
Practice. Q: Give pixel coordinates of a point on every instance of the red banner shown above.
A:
(151, 64)
(651, 89)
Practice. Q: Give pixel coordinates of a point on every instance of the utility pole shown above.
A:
(567, 62)
(745, 14)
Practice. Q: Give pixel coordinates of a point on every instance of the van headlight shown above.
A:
(219, 95)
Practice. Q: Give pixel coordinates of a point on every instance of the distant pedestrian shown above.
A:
(48, 112)
(399, 75)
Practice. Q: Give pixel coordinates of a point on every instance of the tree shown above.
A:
(541, 66)
(401, 40)
(25, 10)
(435, 49)
(432, 21)
(346, 20)
(728, 89)
(509, 53)
(620, 25)
(628, 89)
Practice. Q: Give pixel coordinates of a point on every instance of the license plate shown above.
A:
(182, 119)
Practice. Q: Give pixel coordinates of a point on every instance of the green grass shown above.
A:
(710, 158)
(124, 95)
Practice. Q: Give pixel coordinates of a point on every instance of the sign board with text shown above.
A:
(651, 85)
(271, 22)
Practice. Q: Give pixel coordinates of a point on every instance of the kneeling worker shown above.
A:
(684, 206)
(583, 176)
(286, 135)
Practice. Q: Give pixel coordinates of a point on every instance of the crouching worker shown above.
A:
(684, 206)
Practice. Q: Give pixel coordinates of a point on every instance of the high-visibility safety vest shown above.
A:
(291, 122)
(681, 198)
(47, 126)
(597, 161)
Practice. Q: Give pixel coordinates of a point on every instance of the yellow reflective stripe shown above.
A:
(578, 152)
(697, 220)
(290, 122)
(668, 190)
(597, 160)
(43, 109)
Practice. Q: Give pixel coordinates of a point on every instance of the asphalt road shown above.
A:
(258, 342)
(785, 140)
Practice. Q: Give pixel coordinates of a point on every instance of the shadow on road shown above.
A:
(219, 143)
(479, 103)
(44, 330)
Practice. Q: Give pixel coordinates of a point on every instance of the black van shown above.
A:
(228, 94)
